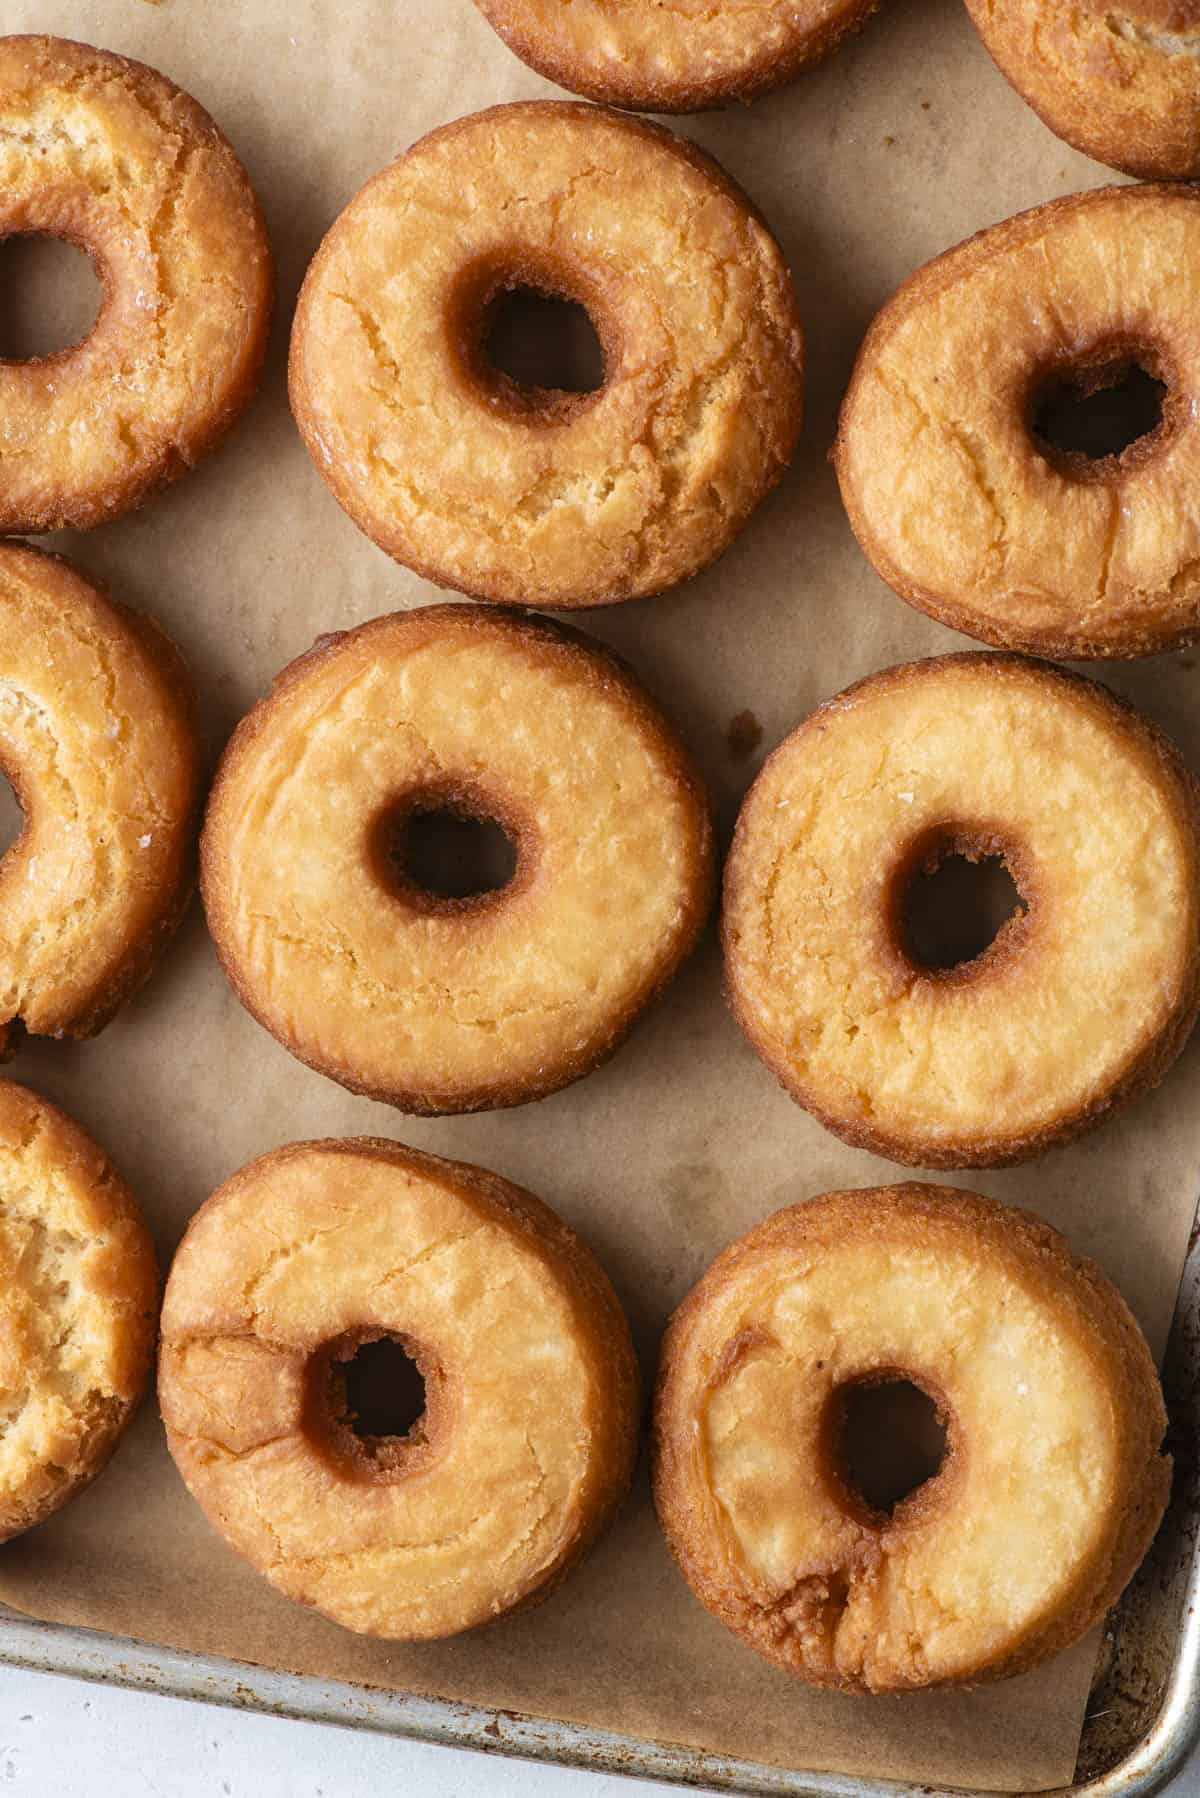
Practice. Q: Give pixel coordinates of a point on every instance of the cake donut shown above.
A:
(78, 1308)
(1088, 992)
(440, 1003)
(526, 1442)
(533, 495)
(113, 157)
(681, 57)
(1121, 84)
(1052, 1484)
(97, 740)
(953, 488)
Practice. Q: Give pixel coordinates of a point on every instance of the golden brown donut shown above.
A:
(962, 508)
(78, 1308)
(683, 56)
(1090, 989)
(535, 496)
(526, 1443)
(97, 739)
(113, 157)
(1053, 1481)
(439, 1004)
(1120, 83)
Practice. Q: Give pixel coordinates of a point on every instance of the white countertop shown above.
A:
(60, 1738)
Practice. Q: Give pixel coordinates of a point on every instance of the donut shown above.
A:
(955, 493)
(526, 1442)
(439, 1003)
(1122, 85)
(113, 157)
(1052, 1483)
(1088, 992)
(533, 495)
(681, 57)
(97, 740)
(78, 1308)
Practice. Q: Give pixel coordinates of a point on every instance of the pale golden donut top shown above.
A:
(1086, 995)
(956, 504)
(676, 57)
(528, 1437)
(1121, 83)
(446, 1007)
(96, 736)
(452, 471)
(78, 1308)
(113, 156)
(1052, 1486)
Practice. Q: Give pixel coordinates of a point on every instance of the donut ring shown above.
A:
(968, 516)
(436, 1004)
(97, 740)
(1121, 84)
(1053, 1483)
(1090, 989)
(78, 1308)
(681, 57)
(528, 495)
(527, 1442)
(113, 157)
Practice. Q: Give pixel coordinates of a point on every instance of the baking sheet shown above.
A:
(907, 141)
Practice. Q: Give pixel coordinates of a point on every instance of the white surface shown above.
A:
(60, 1738)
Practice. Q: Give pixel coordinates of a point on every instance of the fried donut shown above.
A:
(1088, 992)
(1052, 1483)
(97, 739)
(529, 495)
(78, 1308)
(526, 1443)
(1121, 83)
(436, 1003)
(955, 493)
(113, 157)
(682, 57)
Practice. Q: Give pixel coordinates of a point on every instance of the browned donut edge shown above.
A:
(1093, 1295)
(126, 494)
(609, 670)
(140, 1306)
(511, 593)
(768, 72)
(599, 1315)
(1081, 130)
(953, 265)
(143, 955)
(1146, 1071)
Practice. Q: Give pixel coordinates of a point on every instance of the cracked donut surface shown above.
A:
(1053, 1481)
(460, 1004)
(681, 56)
(961, 508)
(1088, 992)
(527, 1440)
(78, 1308)
(536, 496)
(113, 157)
(1121, 83)
(97, 739)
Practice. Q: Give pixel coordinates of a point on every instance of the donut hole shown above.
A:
(12, 816)
(954, 899)
(445, 851)
(369, 1403)
(889, 1438)
(50, 297)
(543, 342)
(1088, 416)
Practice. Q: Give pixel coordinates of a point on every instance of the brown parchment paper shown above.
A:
(903, 144)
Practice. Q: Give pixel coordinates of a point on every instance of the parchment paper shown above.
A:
(903, 144)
